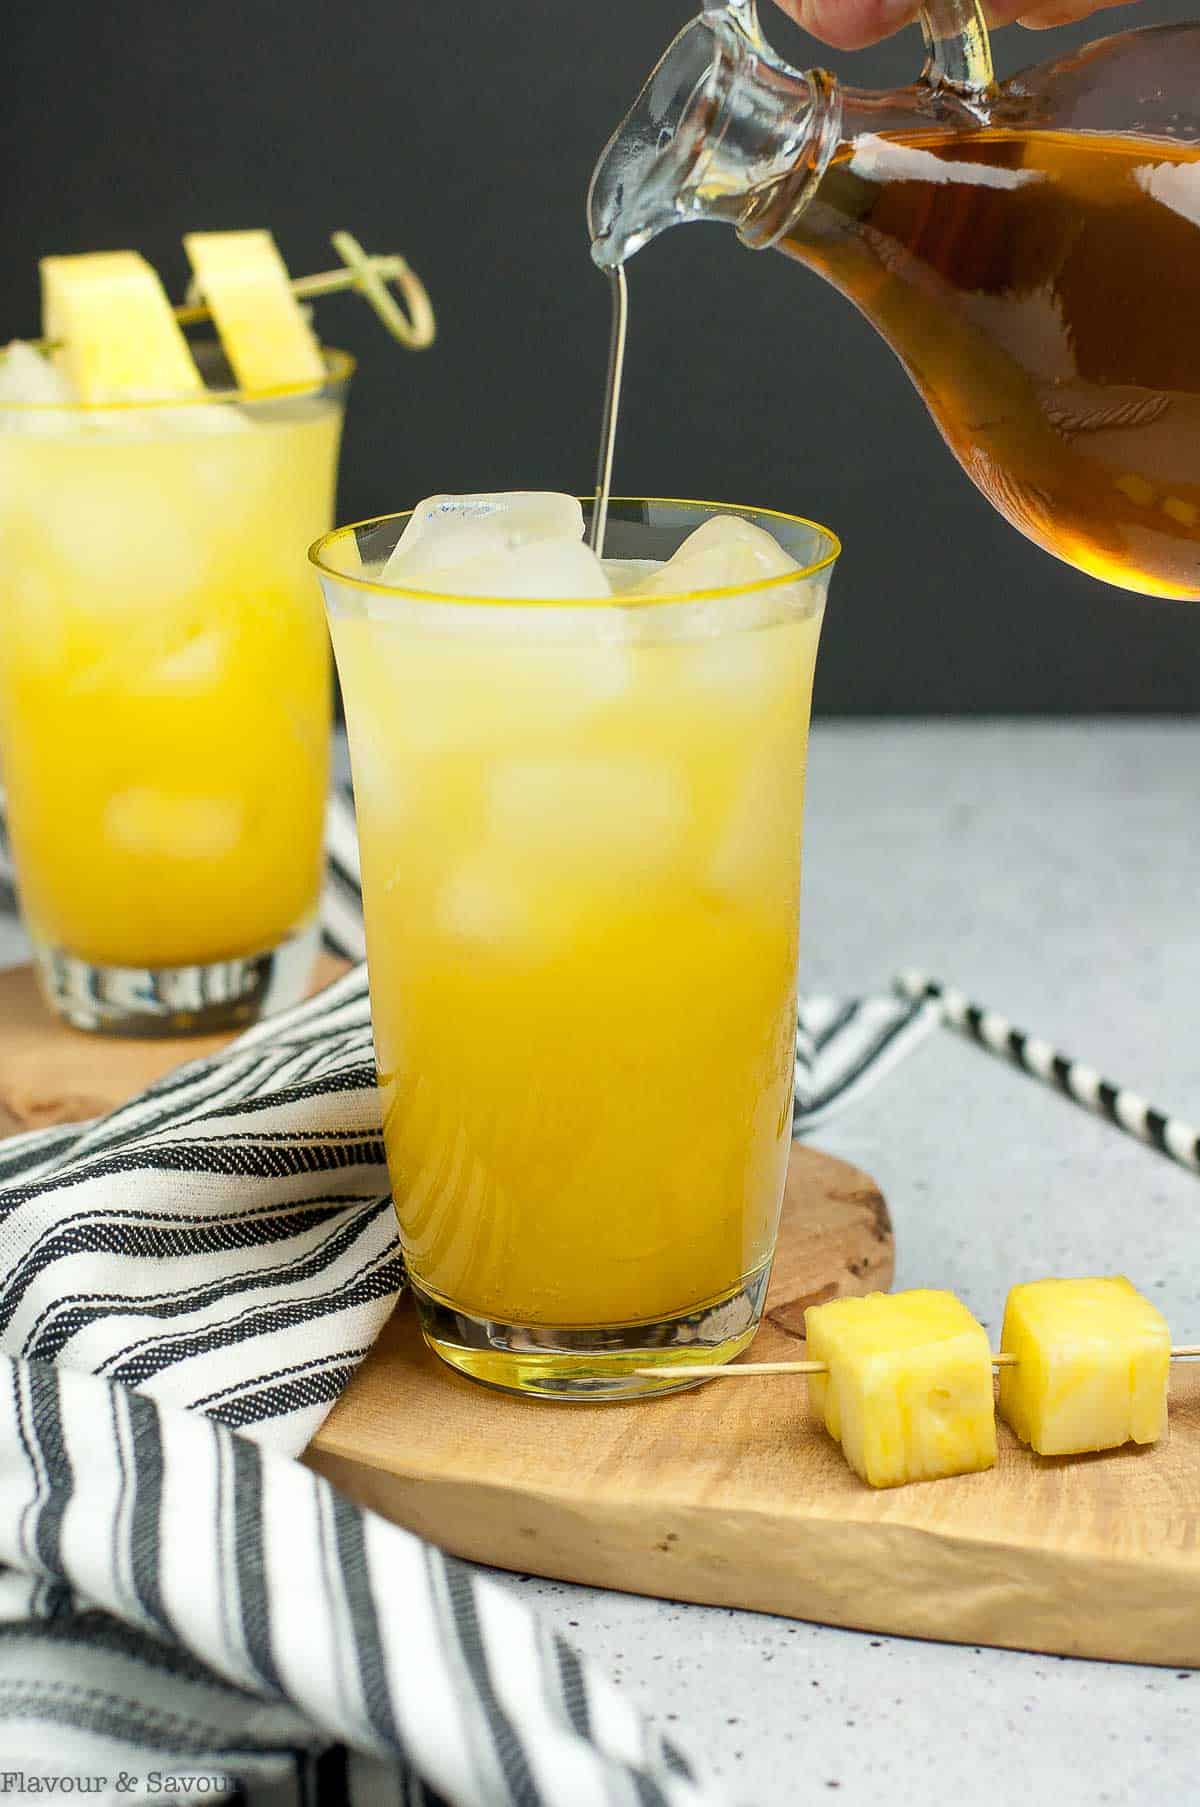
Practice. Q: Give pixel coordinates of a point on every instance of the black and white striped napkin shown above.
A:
(225, 1241)
(181, 1606)
(180, 1600)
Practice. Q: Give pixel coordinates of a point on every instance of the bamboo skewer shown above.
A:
(731, 1370)
(368, 276)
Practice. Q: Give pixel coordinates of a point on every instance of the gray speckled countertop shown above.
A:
(1052, 870)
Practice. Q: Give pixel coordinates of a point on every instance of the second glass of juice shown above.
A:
(580, 827)
(165, 699)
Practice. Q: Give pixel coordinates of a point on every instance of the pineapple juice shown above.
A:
(164, 674)
(581, 877)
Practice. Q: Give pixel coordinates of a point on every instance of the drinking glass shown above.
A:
(580, 833)
(165, 698)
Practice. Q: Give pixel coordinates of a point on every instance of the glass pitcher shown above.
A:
(1029, 249)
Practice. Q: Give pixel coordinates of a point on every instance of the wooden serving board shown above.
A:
(730, 1494)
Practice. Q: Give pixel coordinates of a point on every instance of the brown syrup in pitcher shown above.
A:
(1043, 291)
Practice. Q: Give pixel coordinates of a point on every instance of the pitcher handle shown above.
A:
(959, 52)
(958, 49)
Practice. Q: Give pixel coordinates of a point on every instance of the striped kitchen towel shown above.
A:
(182, 1613)
(225, 1241)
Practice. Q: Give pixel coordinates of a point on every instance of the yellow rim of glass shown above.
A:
(626, 598)
(339, 368)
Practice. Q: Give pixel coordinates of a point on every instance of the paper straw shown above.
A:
(1126, 1110)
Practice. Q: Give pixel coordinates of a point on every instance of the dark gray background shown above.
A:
(464, 136)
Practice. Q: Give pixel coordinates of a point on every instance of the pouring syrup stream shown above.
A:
(612, 406)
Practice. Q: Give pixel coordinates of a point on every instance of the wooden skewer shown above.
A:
(726, 1370)
(701, 1373)
(370, 276)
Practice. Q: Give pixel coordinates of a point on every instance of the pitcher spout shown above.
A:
(723, 130)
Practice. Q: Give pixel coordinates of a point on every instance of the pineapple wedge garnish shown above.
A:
(909, 1393)
(1092, 1366)
(115, 337)
(244, 282)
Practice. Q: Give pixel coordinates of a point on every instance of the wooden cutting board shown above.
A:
(730, 1494)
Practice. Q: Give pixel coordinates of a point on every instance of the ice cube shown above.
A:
(194, 662)
(199, 417)
(757, 668)
(94, 521)
(726, 551)
(618, 818)
(26, 376)
(482, 902)
(494, 522)
(35, 397)
(154, 421)
(592, 676)
(757, 854)
(467, 561)
(627, 575)
(387, 779)
(416, 564)
(158, 824)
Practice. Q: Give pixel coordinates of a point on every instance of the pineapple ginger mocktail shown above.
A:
(164, 683)
(164, 665)
(580, 834)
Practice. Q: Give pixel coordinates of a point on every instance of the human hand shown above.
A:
(851, 24)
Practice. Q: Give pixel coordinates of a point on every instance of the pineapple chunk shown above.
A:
(244, 281)
(116, 337)
(1092, 1366)
(909, 1389)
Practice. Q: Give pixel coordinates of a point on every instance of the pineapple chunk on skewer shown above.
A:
(262, 327)
(115, 336)
(909, 1393)
(1091, 1369)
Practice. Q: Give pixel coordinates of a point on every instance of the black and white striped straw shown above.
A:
(1125, 1109)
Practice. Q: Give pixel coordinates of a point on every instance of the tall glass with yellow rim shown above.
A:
(580, 832)
(165, 698)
